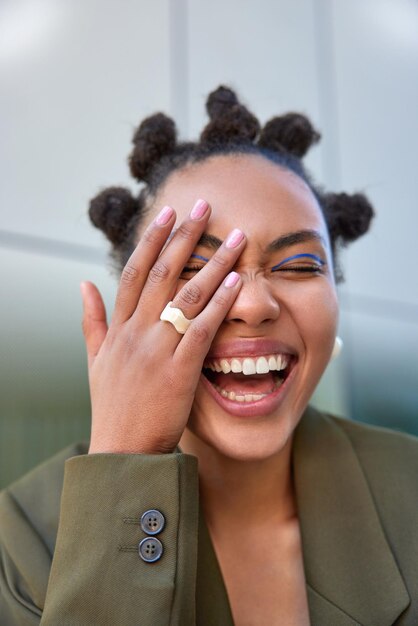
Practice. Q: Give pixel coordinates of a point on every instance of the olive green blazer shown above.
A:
(69, 538)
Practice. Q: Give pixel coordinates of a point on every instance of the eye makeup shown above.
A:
(299, 256)
(198, 256)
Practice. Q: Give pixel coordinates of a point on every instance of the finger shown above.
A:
(136, 270)
(193, 348)
(164, 274)
(195, 294)
(94, 319)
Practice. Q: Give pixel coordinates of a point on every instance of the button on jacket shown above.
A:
(77, 563)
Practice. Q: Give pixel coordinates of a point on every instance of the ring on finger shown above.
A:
(176, 317)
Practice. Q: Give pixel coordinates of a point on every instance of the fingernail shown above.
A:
(234, 238)
(199, 209)
(231, 279)
(83, 286)
(164, 216)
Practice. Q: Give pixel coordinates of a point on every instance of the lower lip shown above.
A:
(267, 405)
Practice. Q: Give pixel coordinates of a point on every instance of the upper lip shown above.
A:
(249, 347)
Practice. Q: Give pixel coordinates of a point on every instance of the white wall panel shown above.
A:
(44, 400)
(76, 77)
(376, 73)
(382, 380)
(266, 50)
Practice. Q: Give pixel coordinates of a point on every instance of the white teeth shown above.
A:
(247, 397)
(226, 368)
(236, 366)
(248, 367)
(262, 366)
(272, 363)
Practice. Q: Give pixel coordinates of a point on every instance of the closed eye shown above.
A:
(318, 261)
(190, 269)
(307, 269)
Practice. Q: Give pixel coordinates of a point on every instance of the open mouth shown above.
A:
(247, 380)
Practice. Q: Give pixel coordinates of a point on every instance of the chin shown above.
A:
(241, 439)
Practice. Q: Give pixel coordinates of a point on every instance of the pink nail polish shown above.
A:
(199, 209)
(234, 238)
(164, 216)
(232, 279)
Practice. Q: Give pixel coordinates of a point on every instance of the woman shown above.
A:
(210, 493)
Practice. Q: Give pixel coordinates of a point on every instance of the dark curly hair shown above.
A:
(232, 129)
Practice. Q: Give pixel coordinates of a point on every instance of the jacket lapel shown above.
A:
(352, 577)
(212, 604)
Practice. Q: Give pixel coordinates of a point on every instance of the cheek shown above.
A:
(314, 309)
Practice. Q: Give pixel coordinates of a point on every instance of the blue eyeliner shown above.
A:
(197, 256)
(298, 256)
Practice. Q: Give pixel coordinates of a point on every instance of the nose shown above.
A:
(255, 303)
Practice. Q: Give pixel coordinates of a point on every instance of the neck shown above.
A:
(230, 490)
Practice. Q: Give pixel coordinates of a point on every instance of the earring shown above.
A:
(338, 346)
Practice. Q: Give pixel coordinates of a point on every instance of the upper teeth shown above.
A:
(248, 366)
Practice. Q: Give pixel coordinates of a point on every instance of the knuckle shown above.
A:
(220, 300)
(150, 237)
(219, 261)
(129, 274)
(200, 333)
(159, 272)
(186, 232)
(190, 294)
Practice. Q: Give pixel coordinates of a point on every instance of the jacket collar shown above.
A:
(351, 574)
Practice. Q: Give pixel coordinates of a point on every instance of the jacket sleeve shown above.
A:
(97, 576)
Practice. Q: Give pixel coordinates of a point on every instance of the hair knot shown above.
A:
(230, 121)
(155, 137)
(111, 211)
(292, 133)
(348, 216)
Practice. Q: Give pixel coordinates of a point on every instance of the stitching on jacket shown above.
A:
(128, 548)
(333, 604)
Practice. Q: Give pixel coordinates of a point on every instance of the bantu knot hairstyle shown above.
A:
(232, 129)
(291, 133)
(230, 121)
(155, 138)
(111, 210)
(347, 217)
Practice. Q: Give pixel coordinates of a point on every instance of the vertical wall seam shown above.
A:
(322, 11)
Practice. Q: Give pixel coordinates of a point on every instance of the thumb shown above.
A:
(94, 319)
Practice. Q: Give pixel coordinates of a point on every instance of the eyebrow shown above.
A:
(284, 241)
(291, 239)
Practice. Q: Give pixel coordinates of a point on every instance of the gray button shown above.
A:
(152, 522)
(150, 549)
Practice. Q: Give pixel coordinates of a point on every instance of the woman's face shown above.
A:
(287, 307)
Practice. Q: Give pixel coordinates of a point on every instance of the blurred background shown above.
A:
(76, 78)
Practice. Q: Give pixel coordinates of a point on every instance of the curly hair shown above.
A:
(232, 129)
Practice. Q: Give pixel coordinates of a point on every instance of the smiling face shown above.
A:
(285, 315)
